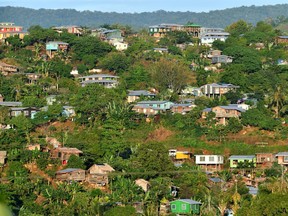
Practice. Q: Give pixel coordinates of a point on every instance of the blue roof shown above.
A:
(283, 37)
(68, 170)
(216, 180)
(252, 190)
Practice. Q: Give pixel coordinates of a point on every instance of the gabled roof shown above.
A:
(104, 167)
(68, 170)
(233, 108)
(189, 201)
(69, 150)
(216, 180)
(282, 154)
(241, 157)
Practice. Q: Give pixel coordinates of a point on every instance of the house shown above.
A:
(282, 40)
(182, 108)
(3, 157)
(111, 35)
(1, 98)
(8, 29)
(217, 89)
(28, 112)
(161, 30)
(134, 95)
(120, 46)
(68, 111)
(145, 185)
(265, 159)
(236, 160)
(210, 162)
(7, 69)
(10, 104)
(71, 174)
(152, 107)
(179, 154)
(185, 206)
(282, 158)
(108, 81)
(160, 50)
(52, 47)
(51, 99)
(32, 78)
(221, 59)
(209, 37)
(252, 190)
(33, 147)
(212, 53)
(98, 174)
(73, 29)
(64, 153)
(215, 180)
(223, 113)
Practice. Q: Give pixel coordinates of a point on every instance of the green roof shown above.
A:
(192, 25)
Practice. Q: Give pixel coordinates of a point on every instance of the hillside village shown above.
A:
(170, 120)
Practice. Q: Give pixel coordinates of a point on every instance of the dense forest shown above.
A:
(107, 130)
(218, 18)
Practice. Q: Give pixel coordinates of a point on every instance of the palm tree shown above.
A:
(277, 98)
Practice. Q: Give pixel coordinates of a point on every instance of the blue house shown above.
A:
(152, 107)
(53, 46)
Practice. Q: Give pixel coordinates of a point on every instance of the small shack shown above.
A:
(3, 157)
(71, 174)
(185, 206)
(64, 153)
(98, 174)
(145, 185)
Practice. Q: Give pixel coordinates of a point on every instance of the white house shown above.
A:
(210, 162)
(209, 37)
(120, 46)
(108, 81)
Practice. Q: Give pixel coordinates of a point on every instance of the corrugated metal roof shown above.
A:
(282, 154)
(190, 201)
(243, 157)
(68, 170)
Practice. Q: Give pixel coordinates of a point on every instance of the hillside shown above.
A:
(218, 18)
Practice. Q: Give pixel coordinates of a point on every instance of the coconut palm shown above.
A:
(277, 98)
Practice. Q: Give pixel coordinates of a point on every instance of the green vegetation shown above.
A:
(107, 129)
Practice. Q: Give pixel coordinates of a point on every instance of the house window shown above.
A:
(173, 207)
(211, 159)
(234, 162)
(262, 159)
(184, 206)
(202, 159)
(285, 158)
(219, 158)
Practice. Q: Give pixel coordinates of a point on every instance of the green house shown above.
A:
(245, 160)
(185, 206)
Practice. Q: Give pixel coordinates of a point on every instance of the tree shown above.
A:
(91, 101)
(170, 74)
(116, 62)
(277, 98)
(88, 45)
(238, 28)
(75, 162)
(152, 159)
